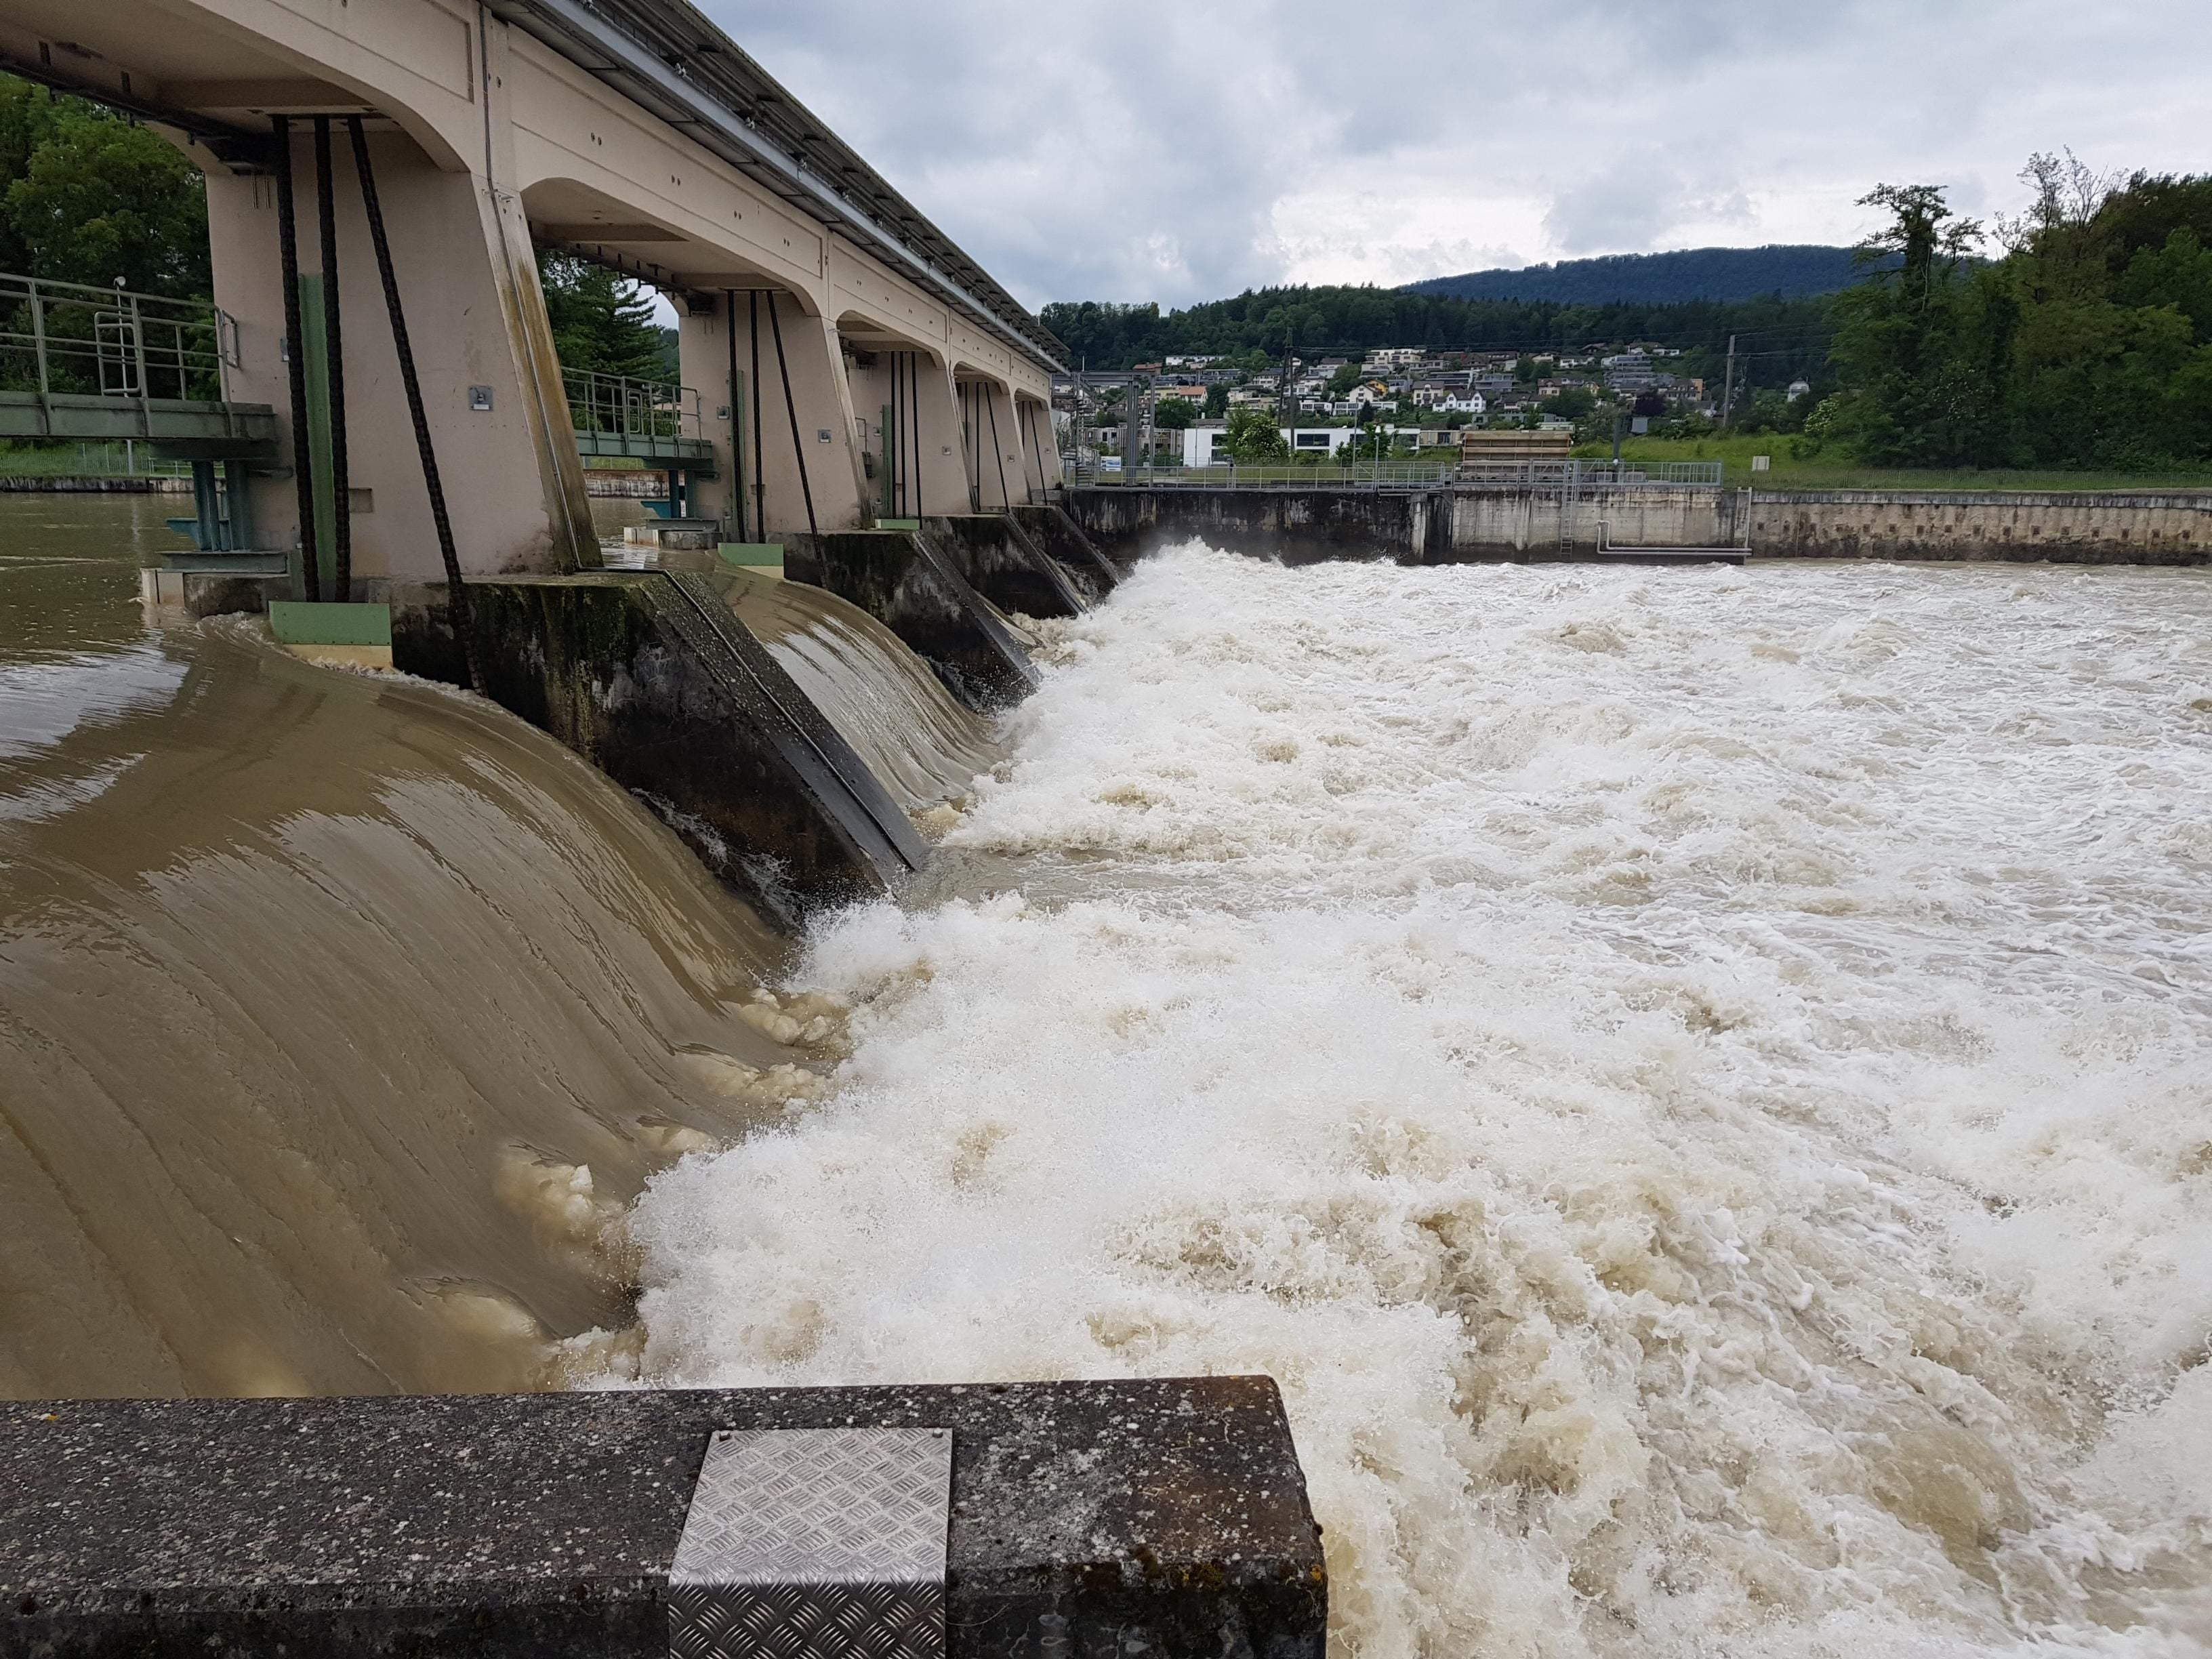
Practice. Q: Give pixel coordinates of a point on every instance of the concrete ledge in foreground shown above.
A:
(1166, 1516)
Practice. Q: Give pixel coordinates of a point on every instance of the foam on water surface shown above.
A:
(1696, 1083)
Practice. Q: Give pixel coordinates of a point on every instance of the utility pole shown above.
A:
(1727, 387)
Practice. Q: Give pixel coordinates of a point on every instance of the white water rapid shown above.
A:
(1697, 1082)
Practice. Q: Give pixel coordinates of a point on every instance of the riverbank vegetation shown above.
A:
(2088, 343)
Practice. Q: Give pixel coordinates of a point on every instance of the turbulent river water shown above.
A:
(1697, 1083)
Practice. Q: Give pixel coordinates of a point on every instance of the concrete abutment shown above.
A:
(1167, 1517)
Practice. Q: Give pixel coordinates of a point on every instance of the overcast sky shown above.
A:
(1185, 152)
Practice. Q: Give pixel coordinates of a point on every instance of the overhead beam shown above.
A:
(286, 97)
(586, 231)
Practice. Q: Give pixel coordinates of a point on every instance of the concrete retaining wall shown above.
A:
(1167, 1518)
(1516, 522)
(1296, 526)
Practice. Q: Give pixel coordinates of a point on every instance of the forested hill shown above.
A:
(1261, 324)
(1699, 273)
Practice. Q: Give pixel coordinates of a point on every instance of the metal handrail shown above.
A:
(1378, 475)
(1573, 475)
(636, 411)
(1577, 473)
(69, 338)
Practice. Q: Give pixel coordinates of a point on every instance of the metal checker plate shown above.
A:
(814, 1544)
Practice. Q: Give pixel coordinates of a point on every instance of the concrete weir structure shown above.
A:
(824, 319)
(1165, 1517)
(844, 365)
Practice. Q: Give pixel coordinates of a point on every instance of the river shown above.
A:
(1697, 1083)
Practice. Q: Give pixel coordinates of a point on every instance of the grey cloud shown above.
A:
(1181, 154)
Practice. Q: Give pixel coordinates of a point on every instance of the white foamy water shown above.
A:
(1698, 1084)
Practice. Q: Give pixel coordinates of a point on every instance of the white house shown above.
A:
(1462, 403)
(1204, 445)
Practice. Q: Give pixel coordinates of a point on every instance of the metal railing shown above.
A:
(637, 415)
(1399, 473)
(1427, 470)
(1575, 473)
(69, 338)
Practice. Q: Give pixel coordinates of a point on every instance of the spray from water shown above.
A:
(1696, 1083)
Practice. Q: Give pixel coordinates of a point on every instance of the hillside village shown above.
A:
(1405, 397)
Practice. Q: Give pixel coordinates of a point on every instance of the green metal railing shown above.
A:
(618, 415)
(68, 338)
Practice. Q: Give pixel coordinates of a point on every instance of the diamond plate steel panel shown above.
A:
(815, 1544)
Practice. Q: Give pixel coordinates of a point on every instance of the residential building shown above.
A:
(1203, 444)
(1630, 371)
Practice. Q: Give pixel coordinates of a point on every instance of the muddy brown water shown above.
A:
(339, 1016)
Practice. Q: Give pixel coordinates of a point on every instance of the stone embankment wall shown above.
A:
(91, 484)
(2075, 527)
(625, 483)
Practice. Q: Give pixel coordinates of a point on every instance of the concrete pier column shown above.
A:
(1040, 448)
(992, 449)
(744, 412)
(484, 349)
(929, 468)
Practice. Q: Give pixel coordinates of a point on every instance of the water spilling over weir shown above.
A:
(1696, 1083)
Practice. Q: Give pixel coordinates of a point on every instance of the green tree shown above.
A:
(1923, 395)
(602, 321)
(1174, 413)
(1216, 401)
(1252, 437)
(86, 197)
